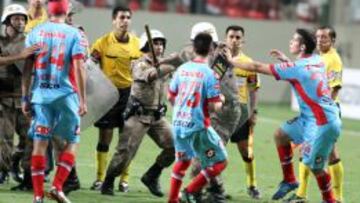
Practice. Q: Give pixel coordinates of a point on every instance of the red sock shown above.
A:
(324, 183)
(285, 155)
(200, 180)
(65, 164)
(178, 173)
(38, 174)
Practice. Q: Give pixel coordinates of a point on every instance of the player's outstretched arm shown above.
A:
(279, 55)
(81, 83)
(253, 66)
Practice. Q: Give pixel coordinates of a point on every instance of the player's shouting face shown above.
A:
(122, 21)
(295, 46)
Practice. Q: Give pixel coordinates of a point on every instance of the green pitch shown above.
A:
(268, 169)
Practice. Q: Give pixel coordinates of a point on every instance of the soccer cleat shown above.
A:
(284, 189)
(38, 199)
(58, 196)
(96, 185)
(295, 199)
(123, 187)
(186, 197)
(253, 192)
(153, 185)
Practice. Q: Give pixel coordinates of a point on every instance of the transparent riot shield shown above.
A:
(101, 94)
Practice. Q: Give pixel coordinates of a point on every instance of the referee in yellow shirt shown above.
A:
(325, 38)
(37, 14)
(114, 51)
(248, 83)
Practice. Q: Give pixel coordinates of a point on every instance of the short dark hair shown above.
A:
(235, 28)
(332, 31)
(118, 9)
(202, 44)
(308, 39)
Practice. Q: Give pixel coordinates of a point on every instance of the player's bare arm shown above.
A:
(81, 82)
(25, 86)
(253, 104)
(253, 66)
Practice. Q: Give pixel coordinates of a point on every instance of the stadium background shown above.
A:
(261, 36)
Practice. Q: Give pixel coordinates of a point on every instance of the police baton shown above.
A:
(151, 45)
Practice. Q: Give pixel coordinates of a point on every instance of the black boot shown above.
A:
(4, 177)
(15, 166)
(26, 184)
(107, 188)
(151, 180)
(72, 183)
(216, 191)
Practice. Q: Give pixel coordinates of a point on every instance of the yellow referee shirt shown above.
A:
(334, 68)
(33, 22)
(116, 57)
(245, 80)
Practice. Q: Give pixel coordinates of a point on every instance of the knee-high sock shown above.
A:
(204, 176)
(124, 176)
(304, 172)
(285, 155)
(324, 183)
(101, 163)
(65, 164)
(250, 172)
(38, 163)
(177, 175)
(337, 176)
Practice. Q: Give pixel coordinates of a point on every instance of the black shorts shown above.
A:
(114, 117)
(241, 133)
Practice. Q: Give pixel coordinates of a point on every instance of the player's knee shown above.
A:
(317, 171)
(102, 147)
(180, 167)
(280, 137)
(246, 158)
(334, 157)
(216, 169)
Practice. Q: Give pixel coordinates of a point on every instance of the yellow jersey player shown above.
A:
(115, 51)
(37, 14)
(325, 38)
(248, 82)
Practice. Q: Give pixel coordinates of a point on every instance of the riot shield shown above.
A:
(101, 94)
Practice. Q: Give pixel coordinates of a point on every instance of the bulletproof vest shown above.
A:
(10, 75)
